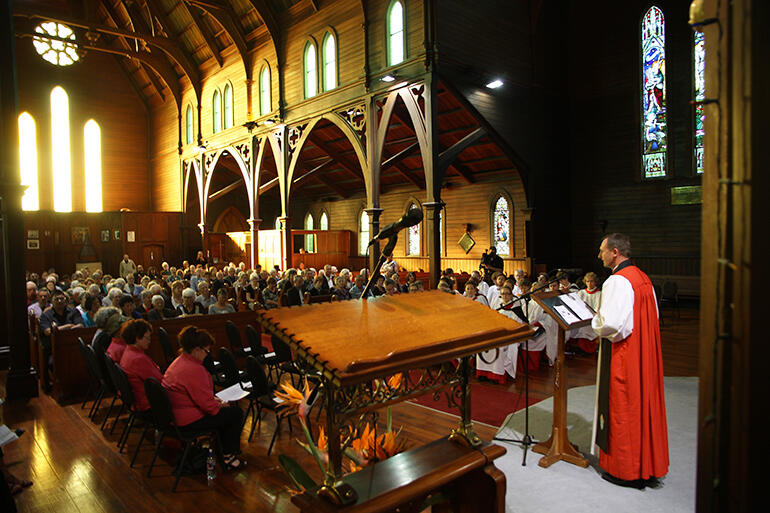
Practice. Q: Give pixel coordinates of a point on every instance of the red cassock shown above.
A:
(638, 437)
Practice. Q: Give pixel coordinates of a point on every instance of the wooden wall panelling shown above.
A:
(153, 229)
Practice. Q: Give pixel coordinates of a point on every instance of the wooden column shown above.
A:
(22, 379)
(287, 246)
(254, 252)
(434, 175)
(204, 228)
(433, 238)
(374, 228)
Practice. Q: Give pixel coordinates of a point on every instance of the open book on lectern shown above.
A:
(568, 308)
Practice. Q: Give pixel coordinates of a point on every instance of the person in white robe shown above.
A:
(494, 290)
(496, 363)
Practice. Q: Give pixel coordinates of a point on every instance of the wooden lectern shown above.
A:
(354, 346)
(558, 446)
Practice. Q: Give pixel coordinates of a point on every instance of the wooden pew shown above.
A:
(70, 377)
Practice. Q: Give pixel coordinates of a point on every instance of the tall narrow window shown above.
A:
(264, 91)
(311, 81)
(363, 232)
(501, 227)
(413, 236)
(654, 125)
(700, 95)
(323, 224)
(60, 151)
(309, 238)
(228, 95)
(188, 125)
(28, 162)
(396, 33)
(278, 223)
(92, 146)
(330, 62)
(441, 232)
(216, 111)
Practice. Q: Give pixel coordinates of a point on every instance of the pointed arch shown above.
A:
(501, 223)
(310, 68)
(189, 125)
(92, 153)
(244, 173)
(329, 61)
(60, 150)
(216, 111)
(228, 112)
(28, 169)
(396, 33)
(323, 221)
(363, 230)
(265, 102)
(413, 234)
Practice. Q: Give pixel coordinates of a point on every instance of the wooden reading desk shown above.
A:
(354, 346)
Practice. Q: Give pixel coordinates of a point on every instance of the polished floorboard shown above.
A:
(77, 468)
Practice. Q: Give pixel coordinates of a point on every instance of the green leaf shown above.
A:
(296, 473)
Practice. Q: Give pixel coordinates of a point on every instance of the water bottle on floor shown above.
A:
(211, 468)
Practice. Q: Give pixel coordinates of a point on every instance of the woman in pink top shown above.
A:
(135, 362)
(191, 392)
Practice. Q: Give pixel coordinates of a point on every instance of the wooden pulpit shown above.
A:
(558, 446)
(355, 346)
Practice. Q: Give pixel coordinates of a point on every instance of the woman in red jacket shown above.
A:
(190, 390)
(135, 362)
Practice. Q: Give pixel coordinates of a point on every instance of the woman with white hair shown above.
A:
(204, 295)
(158, 312)
(189, 306)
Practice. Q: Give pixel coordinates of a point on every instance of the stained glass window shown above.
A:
(188, 125)
(60, 151)
(654, 125)
(56, 51)
(228, 95)
(363, 231)
(396, 33)
(92, 145)
(330, 62)
(501, 226)
(700, 95)
(216, 111)
(28, 161)
(311, 81)
(323, 224)
(413, 236)
(264, 91)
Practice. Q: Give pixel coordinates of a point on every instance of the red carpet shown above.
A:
(489, 404)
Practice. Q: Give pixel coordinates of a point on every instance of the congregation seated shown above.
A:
(159, 310)
(340, 291)
(445, 285)
(316, 289)
(127, 307)
(378, 289)
(358, 288)
(135, 362)
(251, 291)
(190, 391)
(43, 302)
(411, 277)
(270, 294)
(391, 287)
(109, 320)
(59, 316)
(91, 305)
(189, 306)
(146, 305)
(222, 306)
(205, 298)
(295, 292)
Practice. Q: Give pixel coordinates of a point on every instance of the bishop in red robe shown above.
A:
(637, 437)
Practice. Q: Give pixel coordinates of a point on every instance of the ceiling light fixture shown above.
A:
(269, 121)
(495, 84)
(390, 77)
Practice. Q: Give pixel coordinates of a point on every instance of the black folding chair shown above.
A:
(262, 398)
(99, 348)
(269, 360)
(127, 396)
(227, 373)
(165, 424)
(96, 383)
(115, 378)
(236, 345)
(165, 344)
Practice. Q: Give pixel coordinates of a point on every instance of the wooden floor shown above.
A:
(76, 467)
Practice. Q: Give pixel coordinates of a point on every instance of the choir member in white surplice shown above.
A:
(585, 338)
(495, 363)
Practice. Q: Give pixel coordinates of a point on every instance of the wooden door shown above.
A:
(152, 255)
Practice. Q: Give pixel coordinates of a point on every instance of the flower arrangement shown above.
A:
(363, 447)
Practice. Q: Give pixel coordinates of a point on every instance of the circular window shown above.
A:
(56, 51)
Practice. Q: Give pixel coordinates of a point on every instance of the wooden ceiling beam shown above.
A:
(313, 171)
(336, 156)
(334, 187)
(224, 14)
(225, 190)
(157, 12)
(398, 157)
(207, 36)
(450, 154)
(268, 185)
(314, 4)
(463, 171)
(409, 176)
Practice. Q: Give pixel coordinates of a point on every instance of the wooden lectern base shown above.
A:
(466, 477)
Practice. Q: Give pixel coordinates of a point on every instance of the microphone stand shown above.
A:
(527, 440)
(386, 252)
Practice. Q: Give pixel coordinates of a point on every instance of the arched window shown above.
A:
(92, 146)
(311, 78)
(60, 151)
(278, 223)
(330, 62)
(309, 238)
(501, 226)
(323, 223)
(700, 95)
(654, 124)
(441, 232)
(188, 125)
(396, 33)
(413, 236)
(264, 91)
(216, 111)
(363, 232)
(228, 97)
(28, 162)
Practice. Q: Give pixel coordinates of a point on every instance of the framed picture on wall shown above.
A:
(131, 236)
(33, 234)
(33, 244)
(105, 236)
(79, 234)
(116, 234)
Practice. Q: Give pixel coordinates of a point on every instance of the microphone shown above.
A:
(574, 270)
(411, 218)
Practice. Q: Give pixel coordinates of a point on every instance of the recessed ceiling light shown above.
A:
(495, 84)
(388, 78)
